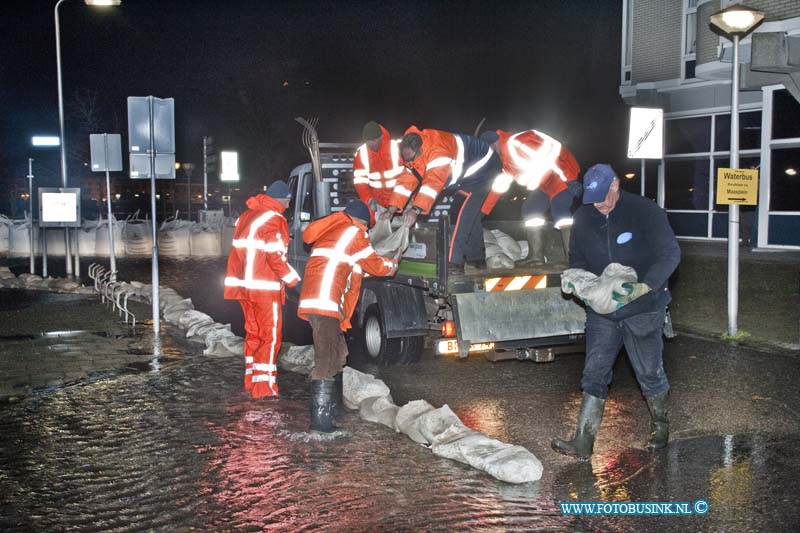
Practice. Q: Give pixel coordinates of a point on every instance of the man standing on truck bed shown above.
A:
(462, 165)
(256, 275)
(340, 255)
(549, 172)
(376, 165)
(624, 228)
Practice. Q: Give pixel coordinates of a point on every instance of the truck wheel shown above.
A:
(377, 348)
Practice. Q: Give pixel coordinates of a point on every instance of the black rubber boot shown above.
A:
(566, 231)
(321, 404)
(535, 236)
(337, 408)
(659, 421)
(589, 418)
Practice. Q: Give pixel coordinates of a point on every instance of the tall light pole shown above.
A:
(61, 112)
(734, 23)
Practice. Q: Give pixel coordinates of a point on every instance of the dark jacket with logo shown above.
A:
(635, 234)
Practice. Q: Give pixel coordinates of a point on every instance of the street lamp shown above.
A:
(734, 23)
(61, 112)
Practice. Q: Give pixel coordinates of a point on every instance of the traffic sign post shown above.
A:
(151, 138)
(30, 210)
(106, 150)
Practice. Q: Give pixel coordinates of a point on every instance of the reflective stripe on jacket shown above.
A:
(445, 160)
(340, 256)
(257, 266)
(535, 161)
(375, 173)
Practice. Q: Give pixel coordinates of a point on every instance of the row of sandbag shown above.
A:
(220, 341)
(440, 429)
(8, 280)
(132, 237)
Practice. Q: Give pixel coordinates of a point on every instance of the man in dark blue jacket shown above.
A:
(619, 227)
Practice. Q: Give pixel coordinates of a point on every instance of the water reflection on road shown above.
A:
(185, 448)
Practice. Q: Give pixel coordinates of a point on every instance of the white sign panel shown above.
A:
(646, 137)
(59, 207)
(230, 166)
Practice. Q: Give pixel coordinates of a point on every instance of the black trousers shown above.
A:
(466, 240)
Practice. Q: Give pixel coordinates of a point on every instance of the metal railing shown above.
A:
(111, 291)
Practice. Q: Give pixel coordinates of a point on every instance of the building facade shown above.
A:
(671, 59)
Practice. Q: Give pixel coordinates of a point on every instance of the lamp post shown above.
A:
(734, 23)
(61, 113)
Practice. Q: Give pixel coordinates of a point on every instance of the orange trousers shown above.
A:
(263, 322)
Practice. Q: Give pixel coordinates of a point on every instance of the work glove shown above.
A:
(634, 290)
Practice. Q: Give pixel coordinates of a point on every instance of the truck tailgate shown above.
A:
(515, 315)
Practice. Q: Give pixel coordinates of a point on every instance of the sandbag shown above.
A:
(595, 290)
(87, 238)
(507, 244)
(206, 240)
(19, 239)
(137, 235)
(174, 238)
(387, 242)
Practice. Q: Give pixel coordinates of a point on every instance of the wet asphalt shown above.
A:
(179, 446)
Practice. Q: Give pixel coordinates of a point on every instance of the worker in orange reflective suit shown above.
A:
(256, 275)
(461, 165)
(340, 256)
(376, 165)
(549, 172)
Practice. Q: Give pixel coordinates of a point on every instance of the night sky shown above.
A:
(241, 70)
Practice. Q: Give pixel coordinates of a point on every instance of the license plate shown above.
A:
(448, 346)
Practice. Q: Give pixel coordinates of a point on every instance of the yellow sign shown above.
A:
(737, 186)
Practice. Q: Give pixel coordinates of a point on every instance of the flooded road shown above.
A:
(180, 446)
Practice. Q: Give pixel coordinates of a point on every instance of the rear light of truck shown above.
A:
(448, 328)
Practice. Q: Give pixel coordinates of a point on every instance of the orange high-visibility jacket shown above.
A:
(375, 173)
(340, 255)
(435, 164)
(257, 266)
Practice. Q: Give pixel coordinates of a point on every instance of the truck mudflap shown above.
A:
(487, 317)
(402, 307)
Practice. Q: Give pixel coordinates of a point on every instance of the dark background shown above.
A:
(242, 70)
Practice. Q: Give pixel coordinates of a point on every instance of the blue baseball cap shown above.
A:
(279, 190)
(358, 209)
(596, 182)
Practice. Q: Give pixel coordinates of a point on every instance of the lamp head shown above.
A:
(736, 20)
(102, 2)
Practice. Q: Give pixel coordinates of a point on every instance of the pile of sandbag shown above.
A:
(220, 341)
(438, 429)
(34, 282)
(501, 250)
